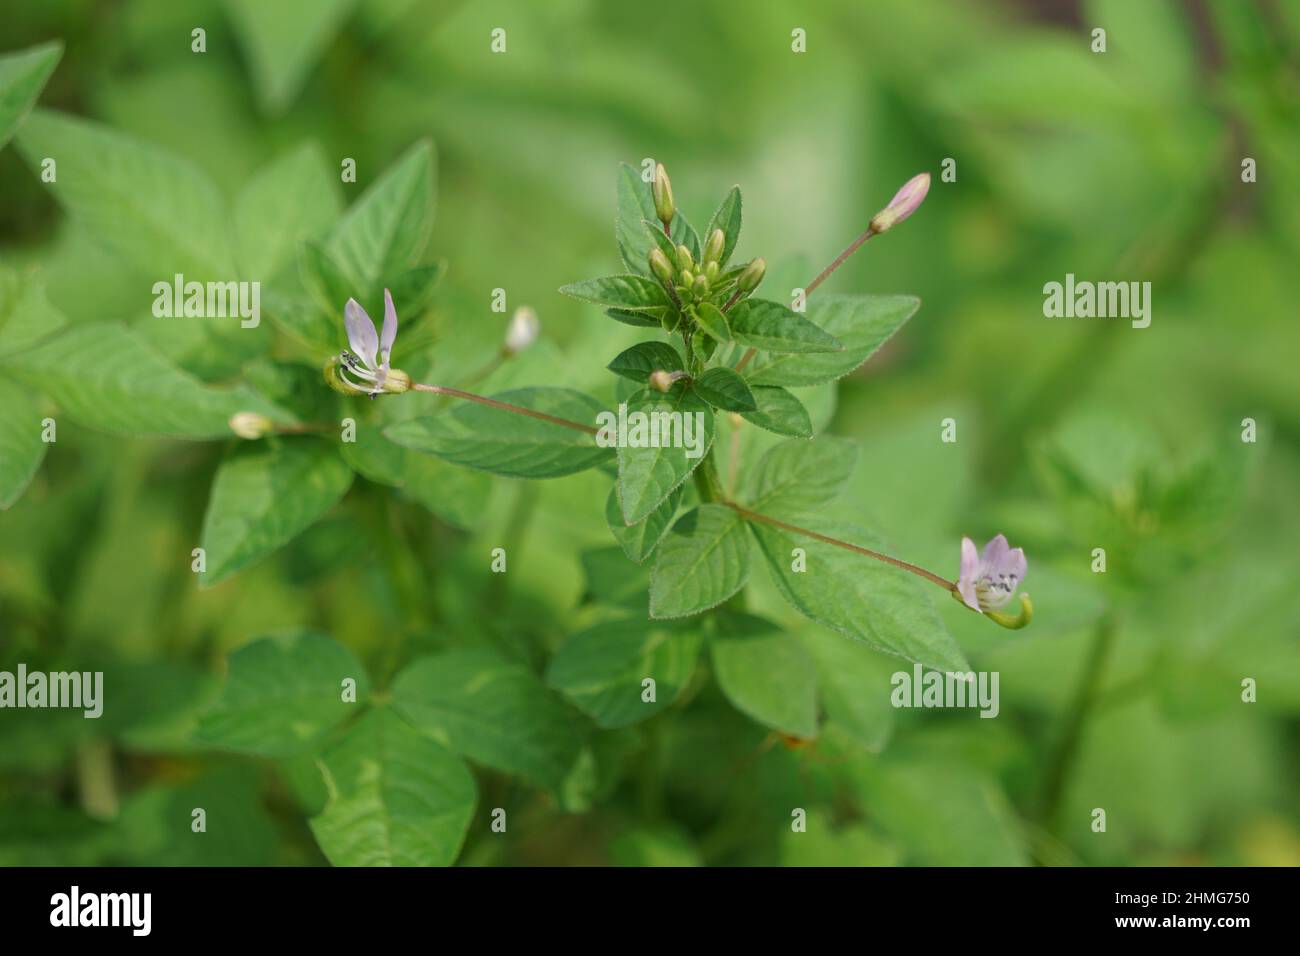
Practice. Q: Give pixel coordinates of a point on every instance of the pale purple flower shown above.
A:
(989, 581)
(522, 331)
(369, 358)
(904, 203)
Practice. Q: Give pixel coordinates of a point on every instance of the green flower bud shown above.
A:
(661, 267)
(711, 271)
(662, 190)
(688, 278)
(752, 276)
(684, 259)
(713, 248)
(701, 286)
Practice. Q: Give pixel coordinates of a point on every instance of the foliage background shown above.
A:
(1073, 434)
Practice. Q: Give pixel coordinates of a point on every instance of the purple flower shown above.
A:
(369, 358)
(989, 581)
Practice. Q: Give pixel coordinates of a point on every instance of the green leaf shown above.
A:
(868, 600)
(396, 798)
(627, 293)
(636, 205)
(385, 231)
(779, 411)
(774, 328)
(647, 475)
(22, 77)
(507, 443)
(640, 540)
(855, 686)
(643, 358)
(602, 668)
(282, 694)
(795, 477)
(326, 282)
(266, 494)
(727, 218)
(26, 315)
(283, 40)
(702, 561)
(612, 580)
(863, 323)
(493, 711)
(159, 212)
(723, 388)
(644, 319)
(293, 199)
(103, 376)
(766, 674)
(711, 319)
(21, 447)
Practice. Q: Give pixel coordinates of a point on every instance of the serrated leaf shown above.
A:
(636, 205)
(727, 218)
(104, 376)
(865, 599)
(779, 411)
(863, 323)
(723, 388)
(711, 319)
(602, 669)
(630, 293)
(263, 496)
(492, 711)
(645, 319)
(797, 476)
(643, 358)
(507, 443)
(282, 694)
(293, 199)
(772, 327)
(396, 798)
(22, 77)
(385, 231)
(702, 561)
(639, 540)
(21, 447)
(646, 474)
(160, 212)
(283, 40)
(766, 674)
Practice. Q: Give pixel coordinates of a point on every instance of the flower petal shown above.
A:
(390, 329)
(995, 552)
(361, 333)
(970, 560)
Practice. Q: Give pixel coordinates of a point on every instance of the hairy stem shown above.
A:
(847, 546)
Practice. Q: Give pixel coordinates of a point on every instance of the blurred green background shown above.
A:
(1073, 434)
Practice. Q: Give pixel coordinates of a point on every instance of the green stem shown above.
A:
(504, 406)
(1085, 698)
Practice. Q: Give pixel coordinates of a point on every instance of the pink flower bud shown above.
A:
(904, 203)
